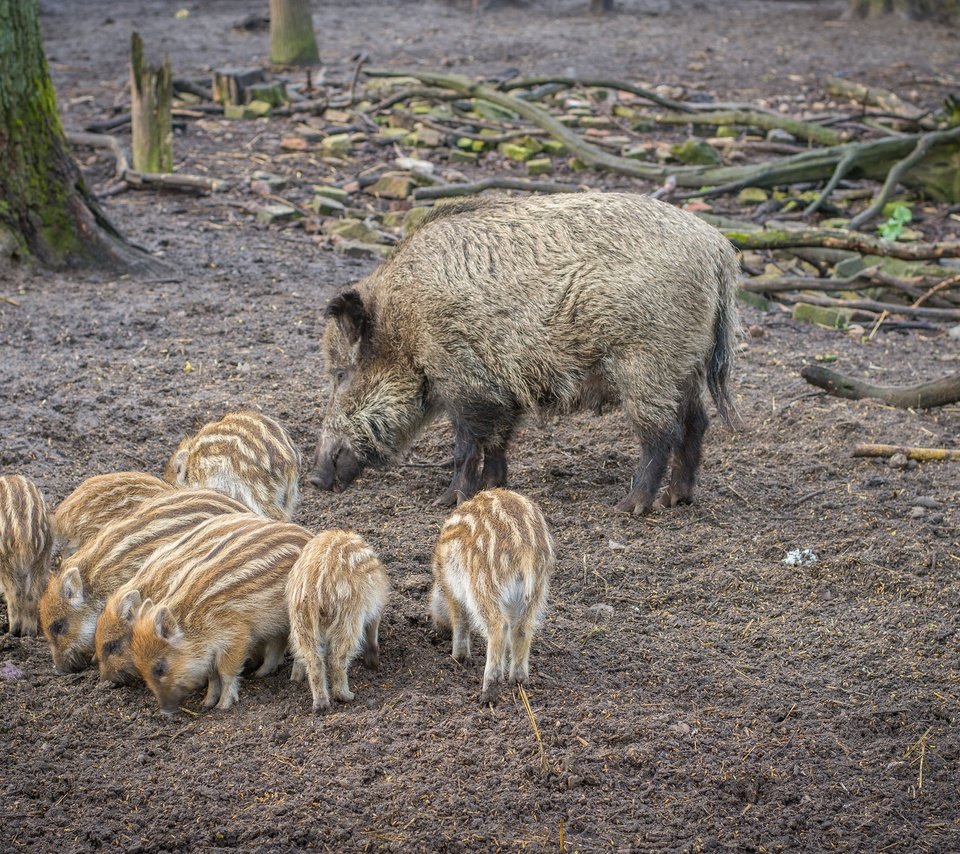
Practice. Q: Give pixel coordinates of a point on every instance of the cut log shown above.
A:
(151, 97)
(937, 393)
(230, 84)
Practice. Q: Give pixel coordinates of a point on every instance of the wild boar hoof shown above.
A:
(448, 499)
(321, 707)
(637, 507)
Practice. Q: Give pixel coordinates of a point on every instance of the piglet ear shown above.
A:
(71, 587)
(348, 310)
(175, 472)
(166, 625)
(129, 605)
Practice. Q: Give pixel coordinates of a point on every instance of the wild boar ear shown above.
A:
(166, 625)
(348, 310)
(129, 605)
(71, 587)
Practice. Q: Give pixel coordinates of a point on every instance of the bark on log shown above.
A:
(151, 97)
(937, 393)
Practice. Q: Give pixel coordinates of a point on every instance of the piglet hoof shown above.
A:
(464, 660)
(344, 696)
(322, 707)
(489, 695)
(674, 498)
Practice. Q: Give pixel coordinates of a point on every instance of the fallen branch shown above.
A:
(139, 180)
(942, 285)
(919, 454)
(594, 83)
(875, 97)
(937, 393)
(839, 239)
(453, 190)
(800, 129)
(871, 305)
(895, 175)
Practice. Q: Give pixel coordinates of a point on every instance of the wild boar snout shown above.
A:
(336, 465)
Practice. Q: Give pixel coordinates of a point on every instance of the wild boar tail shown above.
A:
(726, 331)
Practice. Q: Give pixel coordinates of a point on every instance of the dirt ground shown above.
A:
(724, 701)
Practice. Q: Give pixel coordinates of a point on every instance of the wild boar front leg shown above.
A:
(495, 460)
(466, 466)
(214, 687)
(273, 652)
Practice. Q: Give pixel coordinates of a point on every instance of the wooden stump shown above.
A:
(231, 85)
(151, 94)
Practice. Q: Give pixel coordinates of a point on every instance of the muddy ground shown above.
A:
(726, 702)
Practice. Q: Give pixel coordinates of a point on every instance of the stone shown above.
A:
(459, 156)
(414, 217)
(833, 318)
(695, 152)
(269, 214)
(539, 166)
(238, 111)
(353, 229)
(335, 193)
(336, 145)
(515, 152)
(259, 108)
(926, 501)
(397, 186)
(273, 94)
(897, 461)
(553, 146)
(357, 249)
(752, 196)
(274, 182)
(601, 612)
(325, 205)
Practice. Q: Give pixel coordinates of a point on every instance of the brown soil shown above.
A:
(729, 702)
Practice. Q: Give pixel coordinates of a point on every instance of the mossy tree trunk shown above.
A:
(46, 212)
(917, 10)
(292, 41)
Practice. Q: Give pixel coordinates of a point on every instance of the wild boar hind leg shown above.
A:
(658, 444)
(686, 456)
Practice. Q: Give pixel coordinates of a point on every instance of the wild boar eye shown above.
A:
(159, 670)
(339, 375)
(58, 628)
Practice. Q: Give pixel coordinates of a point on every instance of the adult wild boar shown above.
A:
(495, 308)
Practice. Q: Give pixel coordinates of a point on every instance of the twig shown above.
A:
(844, 165)
(942, 285)
(897, 171)
(533, 723)
(454, 190)
(9, 301)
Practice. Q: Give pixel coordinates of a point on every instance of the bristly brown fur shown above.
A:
(74, 600)
(245, 455)
(495, 309)
(26, 543)
(336, 594)
(100, 500)
(491, 570)
(225, 599)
